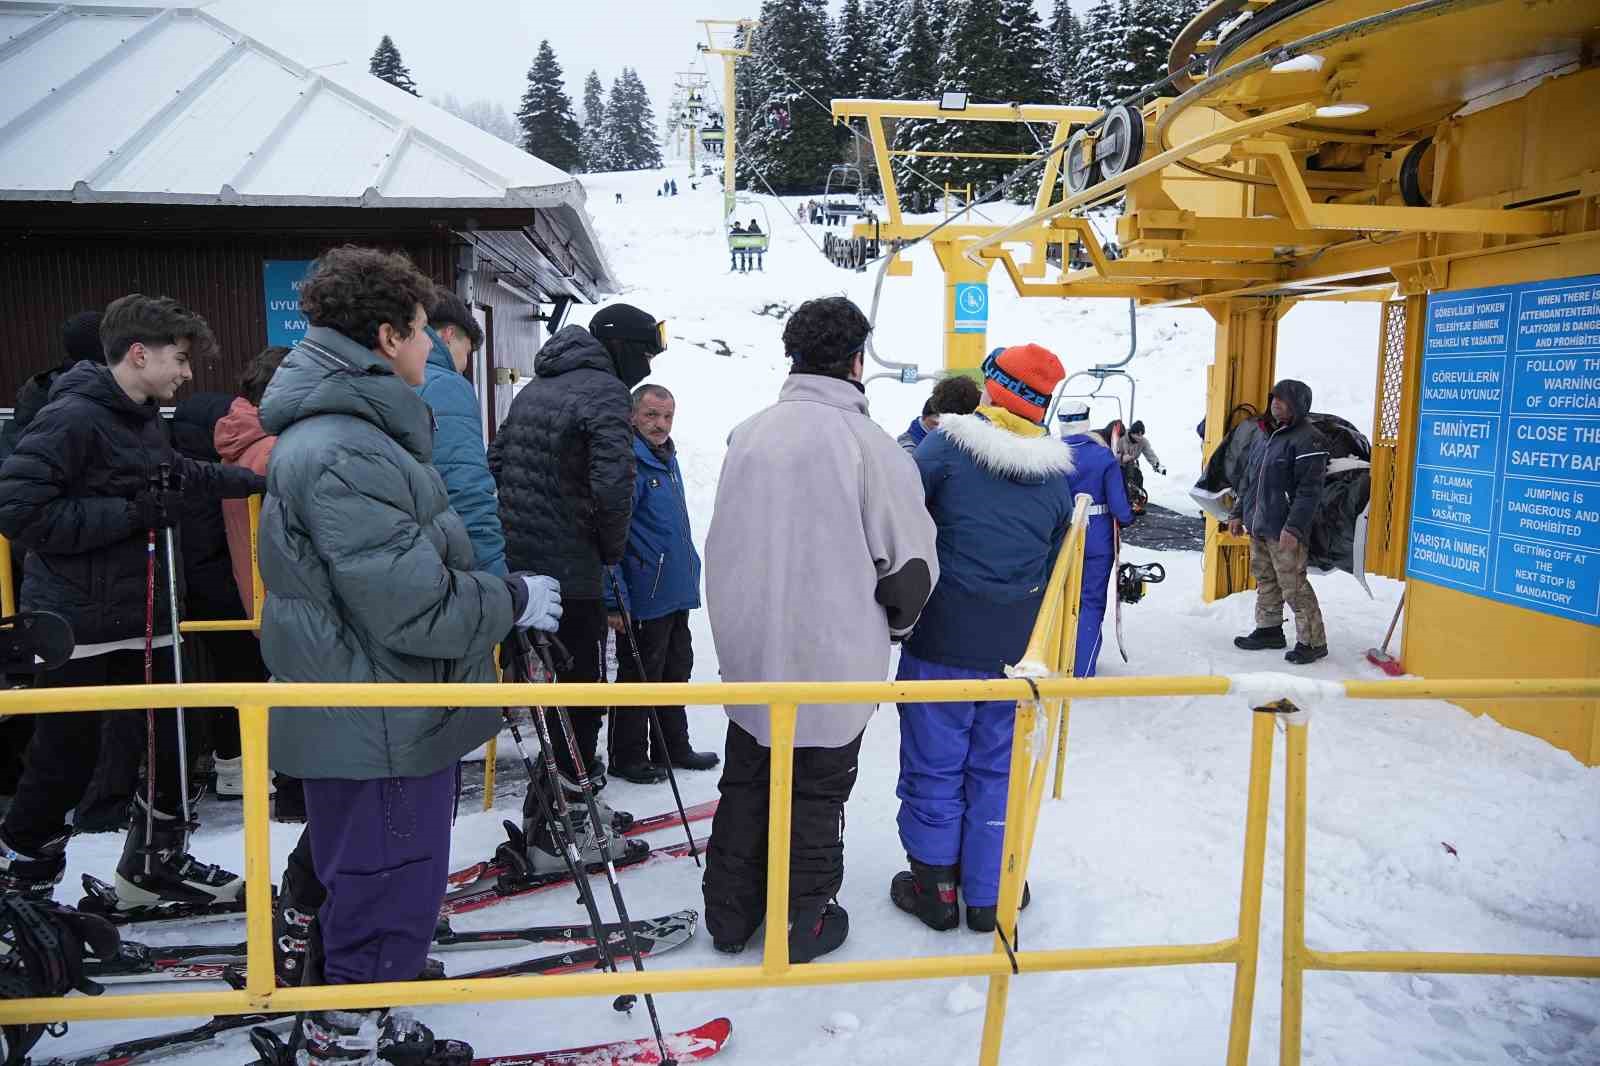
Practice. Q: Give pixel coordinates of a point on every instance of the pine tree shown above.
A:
(548, 129)
(1066, 54)
(974, 58)
(591, 142)
(1101, 54)
(387, 64)
(914, 76)
(854, 51)
(784, 136)
(883, 24)
(1028, 68)
(630, 130)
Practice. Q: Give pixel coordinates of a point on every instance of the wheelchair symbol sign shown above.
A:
(972, 307)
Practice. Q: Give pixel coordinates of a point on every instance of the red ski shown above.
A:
(472, 899)
(691, 1045)
(491, 868)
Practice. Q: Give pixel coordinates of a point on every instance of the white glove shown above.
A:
(543, 611)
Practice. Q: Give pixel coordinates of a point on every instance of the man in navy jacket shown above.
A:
(661, 583)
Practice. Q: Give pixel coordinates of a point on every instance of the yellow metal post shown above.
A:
(1066, 660)
(1255, 852)
(730, 120)
(780, 797)
(1247, 341)
(258, 591)
(490, 754)
(962, 350)
(1294, 893)
(1011, 874)
(260, 973)
(8, 598)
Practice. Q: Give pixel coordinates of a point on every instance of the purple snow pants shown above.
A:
(382, 851)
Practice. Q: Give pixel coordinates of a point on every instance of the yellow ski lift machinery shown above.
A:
(730, 39)
(1432, 156)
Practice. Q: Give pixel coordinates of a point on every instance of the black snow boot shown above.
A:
(296, 936)
(35, 873)
(174, 875)
(1261, 637)
(1301, 654)
(814, 935)
(981, 919)
(928, 893)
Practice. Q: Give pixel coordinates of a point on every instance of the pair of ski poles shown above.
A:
(159, 482)
(564, 823)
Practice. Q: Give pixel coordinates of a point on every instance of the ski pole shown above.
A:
(563, 826)
(655, 715)
(177, 661)
(602, 842)
(149, 679)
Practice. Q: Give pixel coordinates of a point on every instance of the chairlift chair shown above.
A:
(843, 180)
(748, 243)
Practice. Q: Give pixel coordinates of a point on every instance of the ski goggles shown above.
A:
(661, 336)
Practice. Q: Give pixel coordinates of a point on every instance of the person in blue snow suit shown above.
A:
(1096, 472)
(996, 485)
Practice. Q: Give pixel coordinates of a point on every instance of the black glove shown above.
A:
(155, 509)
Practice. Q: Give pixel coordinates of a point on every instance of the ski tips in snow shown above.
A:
(691, 1045)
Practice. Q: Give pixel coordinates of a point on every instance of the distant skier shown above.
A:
(1133, 447)
(1276, 506)
(820, 554)
(1097, 473)
(674, 184)
(995, 483)
(81, 492)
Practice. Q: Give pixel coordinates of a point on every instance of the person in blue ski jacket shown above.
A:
(660, 585)
(995, 483)
(1097, 472)
(458, 449)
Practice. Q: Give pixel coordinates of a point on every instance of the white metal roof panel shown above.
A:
(335, 150)
(64, 49)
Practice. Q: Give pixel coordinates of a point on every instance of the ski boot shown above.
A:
(296, 936)
(359, 1038)
(174, 875)
(982, 919)
(34, 875)
(928, 893)
(1261, 637)
(814, 935)
(619, 821)
(229, 775)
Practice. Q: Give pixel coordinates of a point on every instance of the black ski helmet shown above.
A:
(631, 336)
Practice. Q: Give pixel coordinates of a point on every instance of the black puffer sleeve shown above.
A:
(35, 480)
(611, 467)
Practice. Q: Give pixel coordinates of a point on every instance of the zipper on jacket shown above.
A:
(661, 564)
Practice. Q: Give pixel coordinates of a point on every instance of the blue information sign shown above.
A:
(972, 307)
(281, 280)
(1506, 501)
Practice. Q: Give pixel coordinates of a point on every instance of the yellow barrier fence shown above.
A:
(1042, 696)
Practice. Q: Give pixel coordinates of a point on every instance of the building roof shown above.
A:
(123, 104)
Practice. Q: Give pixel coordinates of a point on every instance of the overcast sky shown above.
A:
(482, 48)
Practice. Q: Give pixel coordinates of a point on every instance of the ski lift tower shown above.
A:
(691, 86)
(730, 39)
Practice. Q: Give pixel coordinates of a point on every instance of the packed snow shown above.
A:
(1430, 829)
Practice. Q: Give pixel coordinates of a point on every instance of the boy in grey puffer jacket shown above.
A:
(369, 577)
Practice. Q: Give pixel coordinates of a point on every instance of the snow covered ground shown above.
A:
(1430, 829)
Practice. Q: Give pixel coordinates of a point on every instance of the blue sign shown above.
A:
(281, 279)
(972, 307)
(1506, 500)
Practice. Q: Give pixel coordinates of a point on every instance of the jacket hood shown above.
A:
(439, 355)
(572, 348)
(94, 381)
(237, 430)
(1297, 394)
(330, 374)
(1000, 449)
(817, 388)
(194, 422)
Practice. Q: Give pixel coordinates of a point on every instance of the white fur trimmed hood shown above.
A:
(1010, 455)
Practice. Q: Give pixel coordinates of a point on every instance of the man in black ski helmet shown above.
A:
(564, 465)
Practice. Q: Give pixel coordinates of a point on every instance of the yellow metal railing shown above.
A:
(1042, 696)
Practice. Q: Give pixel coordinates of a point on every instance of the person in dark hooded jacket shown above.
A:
(565, 467)
(80, 339)
(82, 492)
(1277, 505)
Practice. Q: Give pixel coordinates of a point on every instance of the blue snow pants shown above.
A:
(955, 765)
(382, 851)
(1098, 556)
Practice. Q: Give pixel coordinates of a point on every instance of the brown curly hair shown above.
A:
(355, 290)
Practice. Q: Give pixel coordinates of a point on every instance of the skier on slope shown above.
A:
(1097, 473)
(369, 577)
(995, 482)
(82, 492)
(564, 463)
(820, 554)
